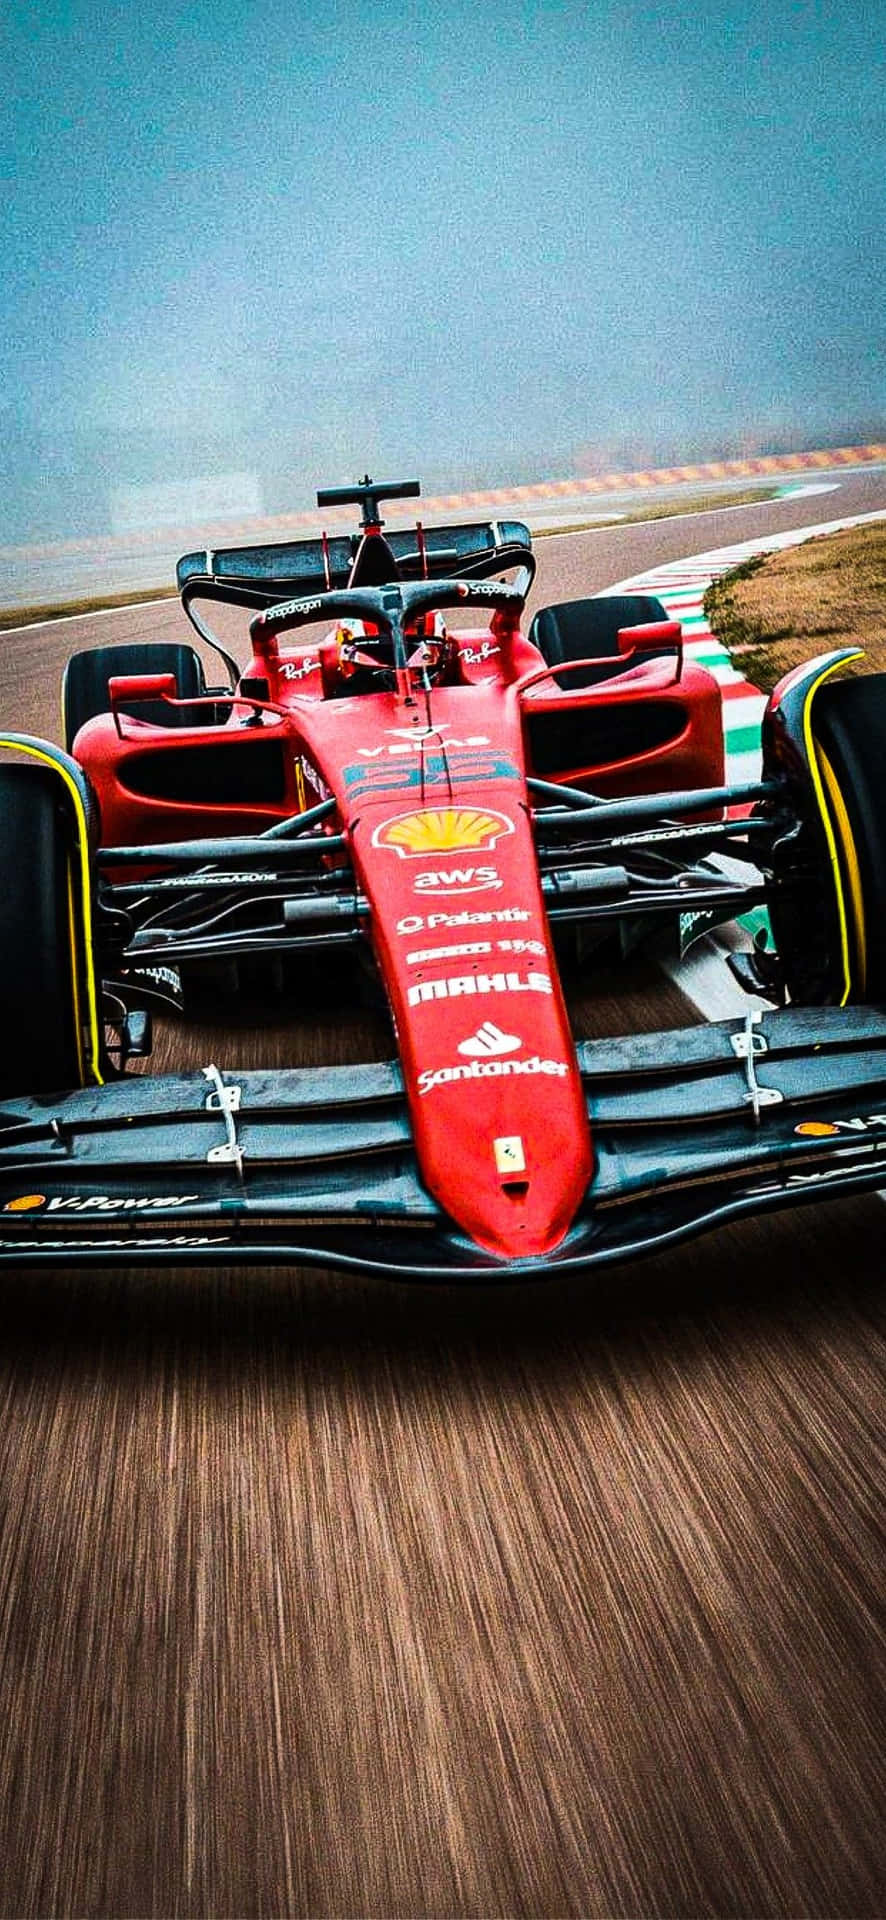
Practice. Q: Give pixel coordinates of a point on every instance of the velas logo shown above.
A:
(420, 740)
(442, 830)
(488, 1041)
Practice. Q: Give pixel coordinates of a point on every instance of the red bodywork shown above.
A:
(432, 799)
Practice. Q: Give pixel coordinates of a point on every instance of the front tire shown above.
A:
(43, 1049)
(85, 685)
(849, 726)
(589, 629)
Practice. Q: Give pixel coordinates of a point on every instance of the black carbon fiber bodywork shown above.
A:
(691, 1128)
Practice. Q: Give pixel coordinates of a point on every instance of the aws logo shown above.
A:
(458, 879)
(443, 830)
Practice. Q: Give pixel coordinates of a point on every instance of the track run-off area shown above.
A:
(322, 1597)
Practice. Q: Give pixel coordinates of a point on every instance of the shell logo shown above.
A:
(816, 1129)
(442, 830)
(25, 1203)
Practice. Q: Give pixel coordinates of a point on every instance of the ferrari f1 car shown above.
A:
(399, 771)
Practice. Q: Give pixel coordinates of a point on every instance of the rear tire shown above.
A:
(42, 1049)
(588, 630)
(849, 725)
(85, 685)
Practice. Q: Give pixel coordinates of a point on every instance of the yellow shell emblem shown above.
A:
(442, 830)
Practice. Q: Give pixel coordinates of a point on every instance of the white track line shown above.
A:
(816, 486)
(695, 568)
(624, 520)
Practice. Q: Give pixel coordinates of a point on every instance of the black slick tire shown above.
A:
(42, 1049)
(849, 728)
(588, 630)
(85, 685)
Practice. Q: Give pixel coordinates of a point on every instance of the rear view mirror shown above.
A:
(657, 636)
(126, 688)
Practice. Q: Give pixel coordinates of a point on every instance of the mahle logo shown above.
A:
(466, 984)
(442, 830)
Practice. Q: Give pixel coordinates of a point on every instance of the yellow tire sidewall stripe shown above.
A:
(47, 759)
(812, 761)
(75, 971)
(850, 857)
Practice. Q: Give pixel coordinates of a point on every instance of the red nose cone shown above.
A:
(503, 1139)
(498, 1112)
(442, 844)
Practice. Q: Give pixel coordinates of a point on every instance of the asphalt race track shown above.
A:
(321, 1597)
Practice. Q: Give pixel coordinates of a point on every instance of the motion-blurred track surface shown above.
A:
(319, 1597)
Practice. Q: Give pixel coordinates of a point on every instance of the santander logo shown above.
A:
(488, 1040)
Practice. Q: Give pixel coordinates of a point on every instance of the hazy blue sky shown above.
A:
(454, 238)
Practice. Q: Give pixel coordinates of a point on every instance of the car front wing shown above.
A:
(691, 1128)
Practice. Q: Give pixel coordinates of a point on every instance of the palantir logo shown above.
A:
(489, 1040)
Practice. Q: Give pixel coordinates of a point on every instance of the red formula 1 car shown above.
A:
(417, 780)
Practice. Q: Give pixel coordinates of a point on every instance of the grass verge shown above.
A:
(67, 609)
(779, 609)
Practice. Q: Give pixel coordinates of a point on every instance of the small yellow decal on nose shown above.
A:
(509, 1155)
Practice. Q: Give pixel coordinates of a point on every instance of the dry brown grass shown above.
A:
(93, 603)
(783, 608)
